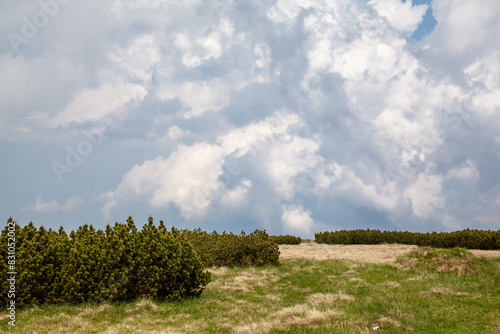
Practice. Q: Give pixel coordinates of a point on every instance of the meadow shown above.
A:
(316, 288)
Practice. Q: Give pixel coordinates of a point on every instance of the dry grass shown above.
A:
(486, 253)
(377, 254)
(496, 324)
(328, 298)
(297, 315)
(247, 280)
(459, 261)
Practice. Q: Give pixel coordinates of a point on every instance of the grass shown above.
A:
(426, 291)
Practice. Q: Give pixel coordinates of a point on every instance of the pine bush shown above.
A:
(231, 250)
(89, 265)
(286, 239)
(470, 239)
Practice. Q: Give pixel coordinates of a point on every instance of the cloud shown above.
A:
(425, 195)
(287, 159)
(261, 114)
(71, 205)
(296, 220)
(468, 171)
(175, 132)
(403, 16)
(464, 33)
(237, 196)
(198, 97)
(335, 181)
(139, 59)
(200, 49)
(95, 104)
(464, 26)
(187, 178)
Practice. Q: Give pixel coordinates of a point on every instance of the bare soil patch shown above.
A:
(378, 254)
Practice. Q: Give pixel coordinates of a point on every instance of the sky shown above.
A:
(294, 116)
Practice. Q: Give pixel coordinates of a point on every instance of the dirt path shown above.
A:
(380, 254)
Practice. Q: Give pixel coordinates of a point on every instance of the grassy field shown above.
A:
(426, 291)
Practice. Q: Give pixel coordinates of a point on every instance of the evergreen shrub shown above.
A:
(89, 265)
(470, 239)
(286, 239)
(231, 250)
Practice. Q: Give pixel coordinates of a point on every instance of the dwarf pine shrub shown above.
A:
(470, 239)
(231, 250)
(118, 264)
(286, 239)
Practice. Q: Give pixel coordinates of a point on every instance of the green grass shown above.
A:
(420, 295)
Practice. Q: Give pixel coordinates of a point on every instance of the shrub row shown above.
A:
(231, 250)
(117, 264)
(286, 239)
(471, 239)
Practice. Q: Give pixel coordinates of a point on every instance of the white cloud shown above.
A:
(187, 178)
(366, 121)
(197, 50)
(289, 157)
(262, 55)
(175, 133)
(197, 96)
(483, 76)
(336, 181)
(71, 205)
(296, 220)
(240, 140)
(139, 59)
(284, 11)
(95, 104)
(425, 195)
(463, 25)
(237, 196)
(403, 16)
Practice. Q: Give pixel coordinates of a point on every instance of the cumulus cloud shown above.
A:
(187, 178)
(264, 114)
(236, 197)
(403, 16)
(297, 221)
(335, 181)
(425, 195)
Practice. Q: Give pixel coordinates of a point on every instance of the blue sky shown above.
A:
(428, 22)
(290, 116)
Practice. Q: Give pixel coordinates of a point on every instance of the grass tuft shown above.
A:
(455, 260)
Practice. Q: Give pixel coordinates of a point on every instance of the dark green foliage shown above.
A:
(471, 239)
(286, 239)
(231, 250)
(118, 264)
